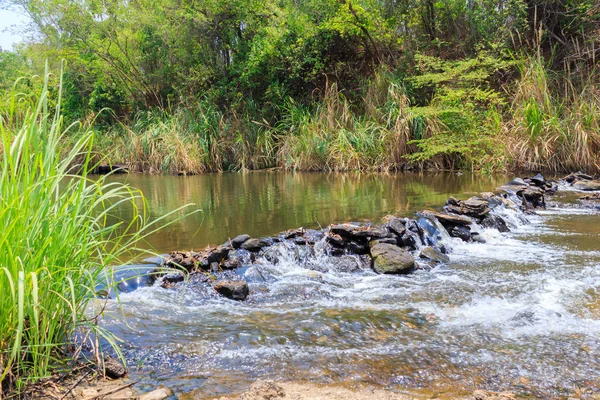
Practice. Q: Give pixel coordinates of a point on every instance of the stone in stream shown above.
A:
(538, 180)
(495, 222)
(448, 220)
(255, 244)
(239, 240)
(461, 232)
(577, 176)
(390, 259)
(473, 207)
(587, 185)
(186, 260)
(394, 225)
(433, 254)
(235, 290)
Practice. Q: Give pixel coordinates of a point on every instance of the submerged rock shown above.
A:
(235, 290)
(433, 254)
(390, 259)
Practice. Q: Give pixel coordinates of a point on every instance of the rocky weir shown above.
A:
(395, 246)
(494, 292)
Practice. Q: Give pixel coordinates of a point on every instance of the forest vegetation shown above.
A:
(199, 86)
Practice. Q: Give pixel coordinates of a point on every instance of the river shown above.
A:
(519, 312)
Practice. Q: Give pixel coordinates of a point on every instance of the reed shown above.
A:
(555, 119)
(54, 239)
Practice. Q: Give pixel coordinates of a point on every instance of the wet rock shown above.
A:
(394, 225)
(255, 244)
(390, 259)
(357, 248)
(300, 240)
(335, 240)
(343, 230)
(495, 222)
(347, 263)
(113, 368)
(587, 185)
(293, 233)
(157, 394)
(433, 254)
(239, 240)
(186, 260)
(533, 197)
(487, 395)
(461, 232)
(217, 254)
(411, 240)
(473, 207)
(578, 176)
(235, 290)
(448, 220)
(517, 182)
(171, 279)
(390, 240)
(231, 263)
(538, 180)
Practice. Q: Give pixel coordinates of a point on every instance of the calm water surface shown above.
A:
(265, 203)
(519, 313)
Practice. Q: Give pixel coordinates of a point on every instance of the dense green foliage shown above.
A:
(254, 84)
(55, 240)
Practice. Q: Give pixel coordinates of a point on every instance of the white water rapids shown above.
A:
(520, 312)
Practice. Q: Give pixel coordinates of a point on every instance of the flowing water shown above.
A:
(520, 312)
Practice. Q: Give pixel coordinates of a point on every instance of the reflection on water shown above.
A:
(265, 203)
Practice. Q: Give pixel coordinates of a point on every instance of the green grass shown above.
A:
(54, 240)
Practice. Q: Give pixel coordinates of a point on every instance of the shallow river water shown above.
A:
(520, 312)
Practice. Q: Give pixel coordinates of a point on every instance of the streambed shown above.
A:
(519, 312)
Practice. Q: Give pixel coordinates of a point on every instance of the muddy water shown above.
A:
(519, 313)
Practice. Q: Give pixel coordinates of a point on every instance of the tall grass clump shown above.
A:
(54, 239)
(555, 118)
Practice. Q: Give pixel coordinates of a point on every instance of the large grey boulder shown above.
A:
(390, 259)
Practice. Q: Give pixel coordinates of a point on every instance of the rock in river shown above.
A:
(239, 240)
(390, 259)
(587, 185)
(235, 290)
(255, 244)
(433, 254)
